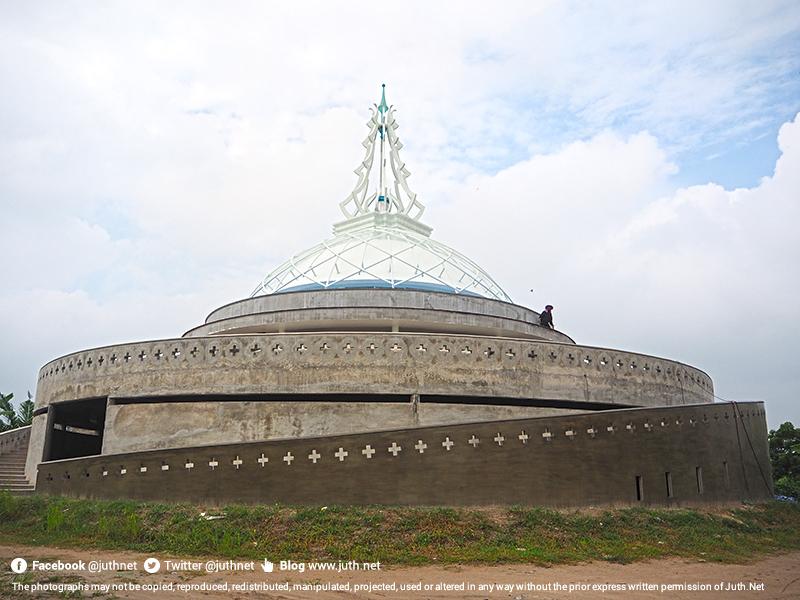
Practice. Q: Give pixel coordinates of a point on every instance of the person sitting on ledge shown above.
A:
(546, 318)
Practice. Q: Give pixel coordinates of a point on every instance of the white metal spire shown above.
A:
(395, 198)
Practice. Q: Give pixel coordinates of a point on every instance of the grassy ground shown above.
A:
(403, 536)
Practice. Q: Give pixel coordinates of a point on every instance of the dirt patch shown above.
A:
(776, 577)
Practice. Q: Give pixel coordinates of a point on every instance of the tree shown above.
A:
(784, 454)
(25, 412)
(10, 419)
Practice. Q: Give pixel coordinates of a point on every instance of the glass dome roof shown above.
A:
(381, 251)
(382, 244)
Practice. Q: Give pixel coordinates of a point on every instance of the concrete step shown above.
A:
(21, 486)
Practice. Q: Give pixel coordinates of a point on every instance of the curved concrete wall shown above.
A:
(372, 363)
(376, 365)
(665, 456)
(397, 310)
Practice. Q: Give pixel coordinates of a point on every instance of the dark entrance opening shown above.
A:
(75, 429)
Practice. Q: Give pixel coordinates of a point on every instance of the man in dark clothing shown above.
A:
(546, 318)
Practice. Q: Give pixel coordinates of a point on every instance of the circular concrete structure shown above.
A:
(383, 367)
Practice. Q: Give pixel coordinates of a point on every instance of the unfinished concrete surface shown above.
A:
(670, 456)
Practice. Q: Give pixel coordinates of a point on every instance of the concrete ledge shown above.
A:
(380, 310)
(372, 363)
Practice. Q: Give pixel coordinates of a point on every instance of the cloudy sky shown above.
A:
(635, 163)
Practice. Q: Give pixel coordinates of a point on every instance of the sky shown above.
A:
(634, 163)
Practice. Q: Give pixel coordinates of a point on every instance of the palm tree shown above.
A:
(10, 419)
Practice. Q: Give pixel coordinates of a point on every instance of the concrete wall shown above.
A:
(714, 454)
(371, 363)
(134, 427)
(14, 439)
(381, 310)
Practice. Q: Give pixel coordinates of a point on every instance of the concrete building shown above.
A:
(382, 367)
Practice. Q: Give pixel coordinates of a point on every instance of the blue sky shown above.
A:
(634, 163)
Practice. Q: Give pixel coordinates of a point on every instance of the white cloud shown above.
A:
(157, 159)
(705, 275)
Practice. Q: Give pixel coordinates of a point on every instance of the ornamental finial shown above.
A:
(383, 106)
(395, 198)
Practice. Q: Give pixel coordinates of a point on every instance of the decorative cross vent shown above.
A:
(523, 437)
(474, 441)
(420, 447)
(237, 462)
(213, 463)
(394, 449)
(341, 454)
(314, 456)
(189, 465)
(499, 439)
(262, 460)
(288, 458)
(448, 443)
(368, 451)
(591, 431)
(547, 435)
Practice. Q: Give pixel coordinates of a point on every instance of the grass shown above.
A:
(403, 536)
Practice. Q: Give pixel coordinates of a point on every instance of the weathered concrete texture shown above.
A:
(135, 427)
(710, 454)
(380, 310)
(403, 365)
(372, 363)
(14, 439)
(36, 443)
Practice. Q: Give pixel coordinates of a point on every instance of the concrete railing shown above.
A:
(347, 363)
(14, 439)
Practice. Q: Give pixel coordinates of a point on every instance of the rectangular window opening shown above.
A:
(639, 489)
(668, 477)
(698, 472)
